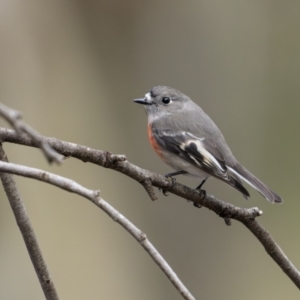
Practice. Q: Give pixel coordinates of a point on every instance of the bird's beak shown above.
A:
(143, 101)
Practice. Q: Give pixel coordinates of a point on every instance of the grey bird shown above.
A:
(186, 139)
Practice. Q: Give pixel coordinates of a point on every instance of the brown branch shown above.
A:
(18, 208)
(94, 197)
(13, 117)
(120, 164)
(147, 184)
(274, 250)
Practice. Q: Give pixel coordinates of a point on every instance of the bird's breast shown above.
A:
(154, 143)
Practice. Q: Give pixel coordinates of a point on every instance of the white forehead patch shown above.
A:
(148, 96)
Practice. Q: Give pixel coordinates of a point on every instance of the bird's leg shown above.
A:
(172, 179)
(200, 185)
(202, 192)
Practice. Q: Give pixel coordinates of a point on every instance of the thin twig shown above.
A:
(147, 184)
(14, 118)
(274, 250)
(120, 164)
(18, 208)
(94, 197)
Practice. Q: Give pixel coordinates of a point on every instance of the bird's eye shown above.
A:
(166, 100)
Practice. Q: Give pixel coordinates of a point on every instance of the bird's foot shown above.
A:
(197, 205)
(202, 196)
(172, 181)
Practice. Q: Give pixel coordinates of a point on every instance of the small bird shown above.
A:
(187, 140)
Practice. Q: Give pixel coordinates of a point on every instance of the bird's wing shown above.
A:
(201, 152)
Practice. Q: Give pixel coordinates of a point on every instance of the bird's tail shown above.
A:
(249, 178)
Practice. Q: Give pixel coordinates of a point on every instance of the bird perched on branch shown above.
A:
(186, 139)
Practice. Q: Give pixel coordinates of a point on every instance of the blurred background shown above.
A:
(73, 67)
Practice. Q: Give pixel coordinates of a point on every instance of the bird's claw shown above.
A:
(172, 181)
(202, 196)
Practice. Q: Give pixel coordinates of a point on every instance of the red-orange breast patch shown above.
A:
(153, 142)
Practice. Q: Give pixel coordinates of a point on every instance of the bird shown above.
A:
(187, 140)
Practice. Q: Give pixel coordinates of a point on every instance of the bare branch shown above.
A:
(94, 197)
(221, 208)
(120, 164)
(13, 117)
(274, 250)
(18, 208)
(147, 184)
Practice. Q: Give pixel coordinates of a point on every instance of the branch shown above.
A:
(18, 208)
(13, 117)
(94, 197)
(119, 163)
(144, 177)
(274, 250)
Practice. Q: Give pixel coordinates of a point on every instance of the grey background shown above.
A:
(73, 68)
